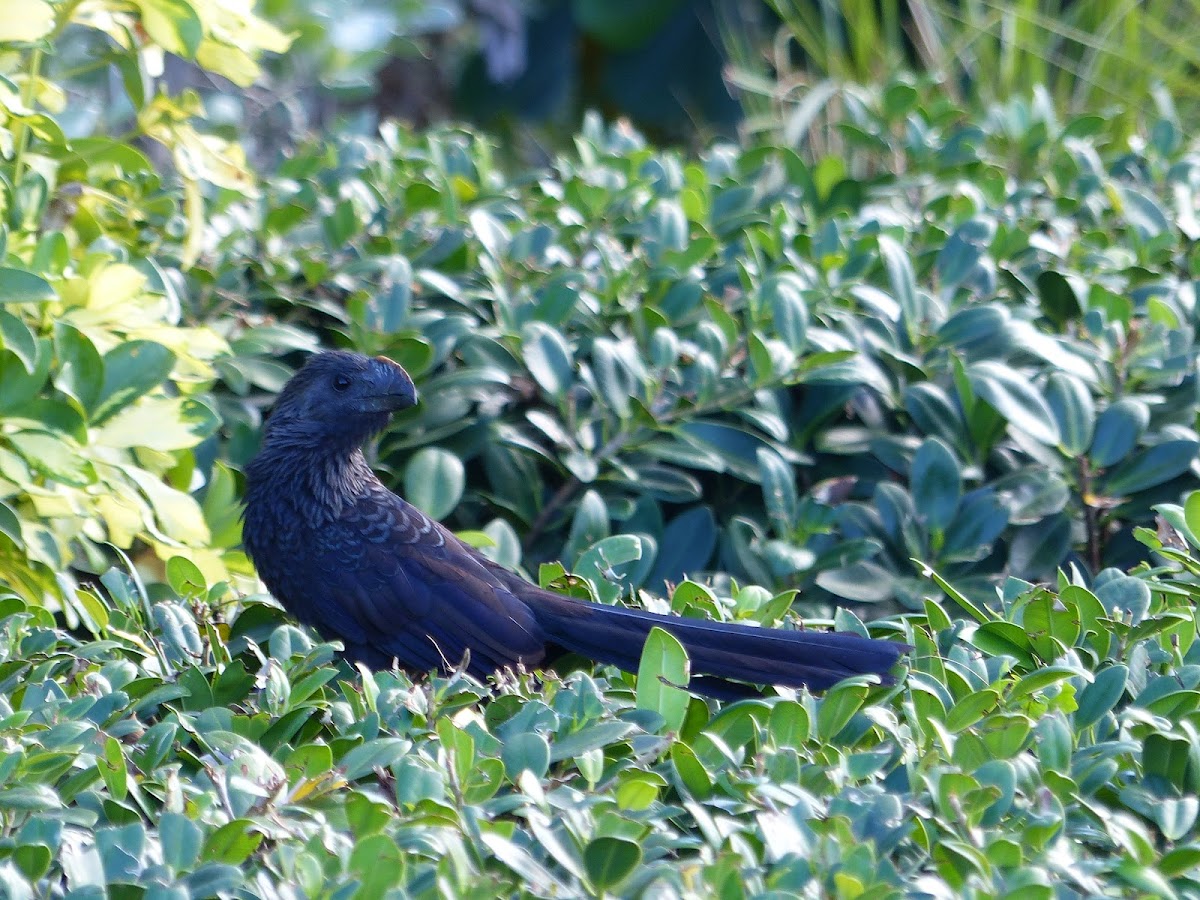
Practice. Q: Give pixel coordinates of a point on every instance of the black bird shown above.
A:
(346, 555)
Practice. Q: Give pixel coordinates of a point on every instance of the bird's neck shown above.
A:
(321, 482)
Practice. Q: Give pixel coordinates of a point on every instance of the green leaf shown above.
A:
(666, 483)
(969, 710)
(10, 524)
(16, 337)
(589, 525)
(159, 423)
(131, 369)
(1118, 431)
(903, 283)
(386, 310)
(936, 483)
(525, 751)
(864, 581)
(1176, 816)
(47, 454)
(610, 860)
(379, 753)
(341, 225)
(173, 24)
(379, 864)
(617, 383)
(548, 358)
(687, 545)
(1074, 411)
(1150, 467)
(232, 843)
(22, 385)
(1098, 698)
(177, 514)
(1037, 550)
(977, 329)
(1012, 395)
(1191, 509)
(779, 491)
(690, 771)
(980, 522)
(935, 413)
(34, 798)
(663, 675)
(605, 564)
(81, 370)
(838, 707)
(185, 577)
(113, 769)
(1005, 639)
(19, 286)
(179, 634)
(1058, 300)
(784, 296)
(491, 233)
(32, 859)
(1142, 211)
(1124, 596)
(434, 480)
(962, 252)
(591, 737)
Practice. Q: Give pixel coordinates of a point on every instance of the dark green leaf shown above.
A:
(526, 751)
(610, 860)
(1012, 395)
(779, 491)
(433, 481)
(936, 483)
(687, 546)
(1150, 467)
(16, 337)
(961, 253)
(1118, 431)
(19, 286)
(548, 358)
(1098, 698)
(783, 296)
(1071, 402)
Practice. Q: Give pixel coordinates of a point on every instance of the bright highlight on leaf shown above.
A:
(662, 679)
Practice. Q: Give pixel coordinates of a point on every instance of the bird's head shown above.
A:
(338, 400)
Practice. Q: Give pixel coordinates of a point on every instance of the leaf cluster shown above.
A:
(162, 750)
(748, 364)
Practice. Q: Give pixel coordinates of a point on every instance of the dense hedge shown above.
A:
(777, 371)
(923, 380)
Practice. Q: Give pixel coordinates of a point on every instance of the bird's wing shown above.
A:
(416, 593)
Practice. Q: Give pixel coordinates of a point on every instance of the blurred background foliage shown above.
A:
(686, 71)
(894, 308)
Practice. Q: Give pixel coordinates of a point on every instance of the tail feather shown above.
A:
(723, 651)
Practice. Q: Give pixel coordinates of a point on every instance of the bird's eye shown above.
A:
(341, 382)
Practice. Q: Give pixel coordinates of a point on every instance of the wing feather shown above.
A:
(413, 591)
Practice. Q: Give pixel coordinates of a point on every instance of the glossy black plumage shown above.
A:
(344, 554)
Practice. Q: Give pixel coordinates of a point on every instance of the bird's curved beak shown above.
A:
(397, 390)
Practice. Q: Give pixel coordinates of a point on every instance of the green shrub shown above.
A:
(104, 373)
(756, 366)
(1049, 743)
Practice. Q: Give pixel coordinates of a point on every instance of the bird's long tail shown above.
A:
(725, 652)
